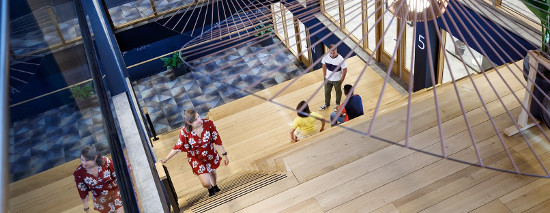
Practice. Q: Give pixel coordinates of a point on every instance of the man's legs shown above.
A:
(328, 89)
(338, 89)
(340, 120)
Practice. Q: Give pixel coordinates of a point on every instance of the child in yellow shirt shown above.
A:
(304, 125)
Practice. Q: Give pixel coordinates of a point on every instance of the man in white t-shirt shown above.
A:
(334, 70)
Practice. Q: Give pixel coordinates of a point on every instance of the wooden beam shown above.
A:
(379, 29)
(441, 56)
(342, 14)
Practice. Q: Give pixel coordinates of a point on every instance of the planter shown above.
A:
(184, 69)
(266, 41)
(86, 103)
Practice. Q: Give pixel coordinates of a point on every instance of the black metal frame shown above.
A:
(117, 153)
(4, 94)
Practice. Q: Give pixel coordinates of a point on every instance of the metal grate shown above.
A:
(232, 190)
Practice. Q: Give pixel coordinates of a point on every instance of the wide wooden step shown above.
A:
(349, 172)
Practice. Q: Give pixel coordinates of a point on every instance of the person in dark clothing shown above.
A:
(353, 109)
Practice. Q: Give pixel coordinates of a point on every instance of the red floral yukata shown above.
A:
(104, 187)
(201, 154)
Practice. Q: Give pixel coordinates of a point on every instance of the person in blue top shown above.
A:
(353, 109)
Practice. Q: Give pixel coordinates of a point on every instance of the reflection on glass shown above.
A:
(122, 12)
(303, 41)
(390, 27)
(352, 12)
(96, 175)
(371, 8)
(331, 7)
(53, 115)
(291, 31)
(279, 21)
(34, 32)
(408, 44)
(452, 54)
(521, 8)
(165, 5)
(68, 23)
(45, 143)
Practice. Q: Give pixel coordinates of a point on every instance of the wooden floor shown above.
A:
(342, 171)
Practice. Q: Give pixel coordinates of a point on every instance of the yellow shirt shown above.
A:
(306, 124)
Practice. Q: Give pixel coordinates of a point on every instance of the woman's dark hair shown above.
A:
(90, 152)
(304, 113)
(189, 116)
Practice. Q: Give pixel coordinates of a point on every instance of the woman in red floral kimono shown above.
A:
(197, 138)
(96, 174)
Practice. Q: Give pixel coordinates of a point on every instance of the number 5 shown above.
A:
(420, 38)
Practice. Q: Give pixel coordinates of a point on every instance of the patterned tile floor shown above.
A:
(52, 138)
(166, 97)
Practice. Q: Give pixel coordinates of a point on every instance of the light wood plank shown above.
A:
(528, 196)
(388, 208)
(494, 206)
(394, 186)
(309, 205)
(543, 207)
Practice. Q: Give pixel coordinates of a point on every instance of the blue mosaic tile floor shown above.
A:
(52, 138)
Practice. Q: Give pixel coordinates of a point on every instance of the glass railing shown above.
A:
(47, 135)
(54, 115)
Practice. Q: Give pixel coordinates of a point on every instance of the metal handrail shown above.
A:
(49, 93)
(4, 94)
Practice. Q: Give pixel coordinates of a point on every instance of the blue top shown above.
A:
(354, 107)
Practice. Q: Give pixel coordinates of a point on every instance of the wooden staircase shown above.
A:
(255, 134)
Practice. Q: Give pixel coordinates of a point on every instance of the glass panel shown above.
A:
(452, 55)
(165, 5)
(352, 12)
(408, 44)
(521, 8)
(291, 31)
(390, 28)
(54, 116)
(124, 11)
(371, 8)
(279, 21)
(68, 23)
(303, 40)
(35, 31)
(331, 7)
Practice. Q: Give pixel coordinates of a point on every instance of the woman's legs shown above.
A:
(214, 176)
(205, 180)
(208, 180)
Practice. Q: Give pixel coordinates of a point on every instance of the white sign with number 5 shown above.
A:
(421, 45)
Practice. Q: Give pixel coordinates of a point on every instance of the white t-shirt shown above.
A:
(332, 63)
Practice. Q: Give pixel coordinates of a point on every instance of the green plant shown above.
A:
(173, 62)
(82, 91)
(263, 29)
